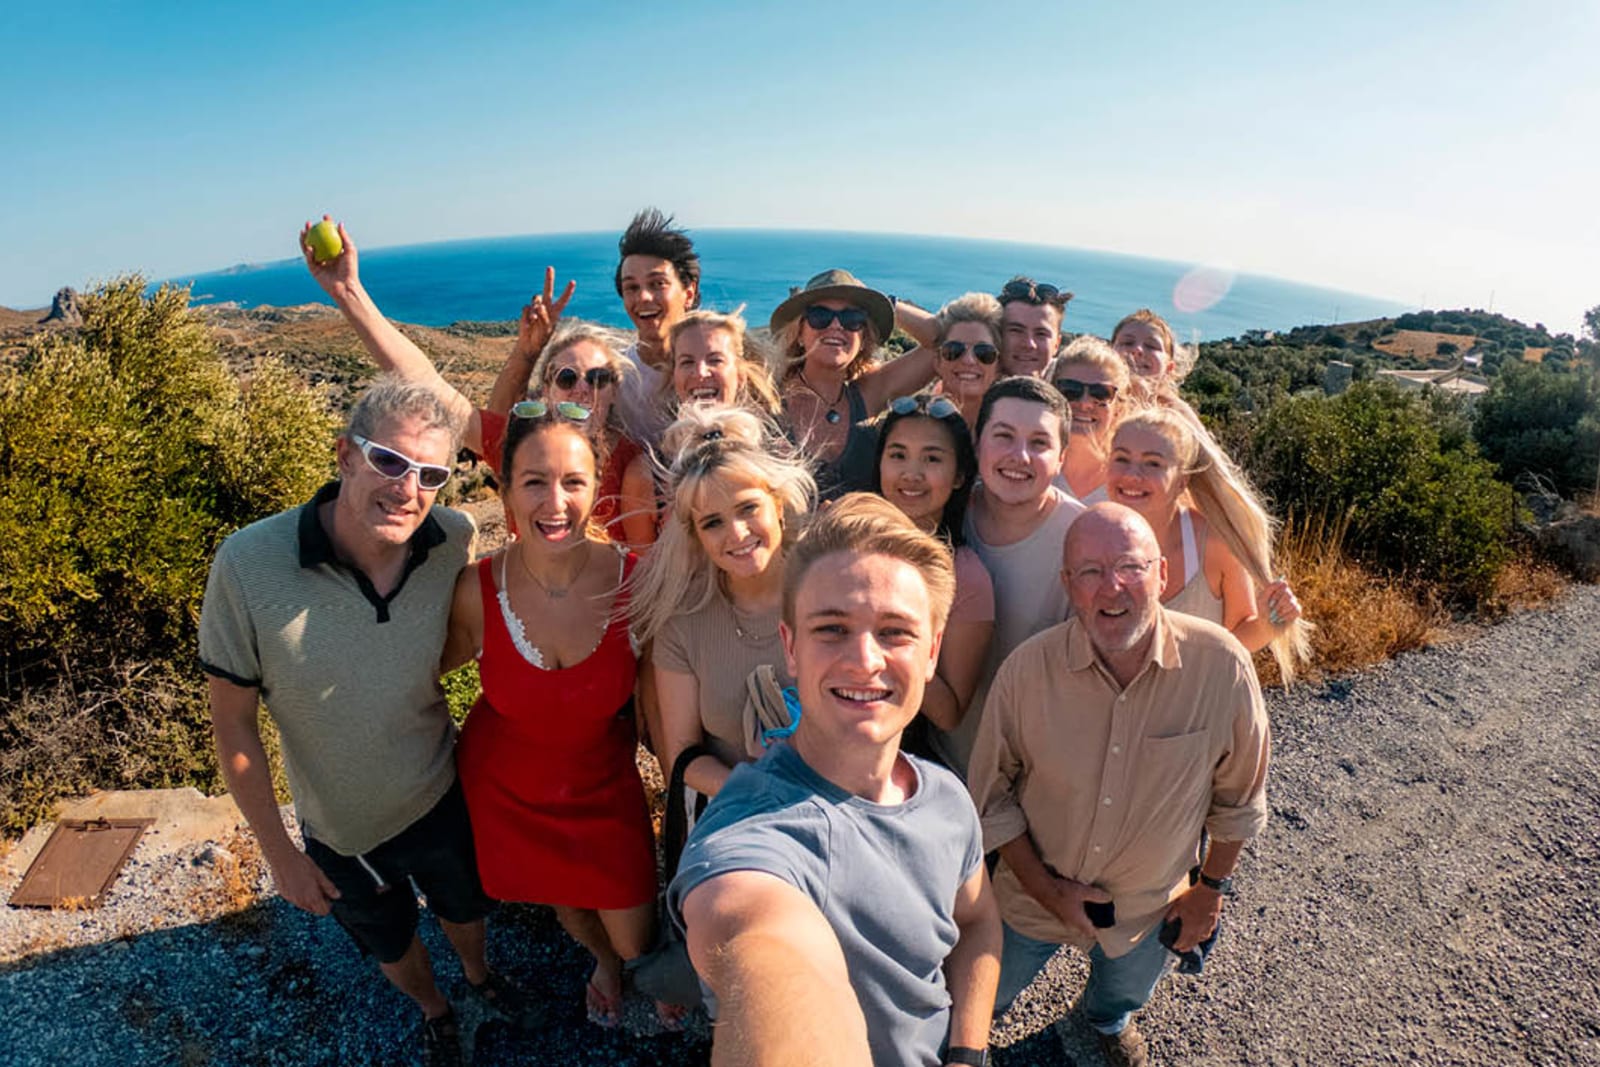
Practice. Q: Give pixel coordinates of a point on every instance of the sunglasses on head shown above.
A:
(1073, 389)
(852, 319)
(597, 377)
(983, 351)
(939, 407)
(396, 465)
(538, 409)
(1034, 293)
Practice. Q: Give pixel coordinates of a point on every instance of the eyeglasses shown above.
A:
(538, 409)
(1033, 293)
(939, 407)
(983, 351)
(597, 377)
(852, 319)
(1073, 390)
(396, 465)
(1127, 571)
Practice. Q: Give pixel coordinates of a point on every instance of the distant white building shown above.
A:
(1453, 380)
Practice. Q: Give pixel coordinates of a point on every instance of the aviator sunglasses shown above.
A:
(537, 409)
(939, 407)
(983, 352)
(1073, 390)
(396, 465)
(852, 319)
(597, 377)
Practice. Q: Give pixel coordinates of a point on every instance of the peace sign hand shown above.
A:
(540, 316)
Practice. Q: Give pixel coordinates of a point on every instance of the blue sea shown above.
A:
(437, 284)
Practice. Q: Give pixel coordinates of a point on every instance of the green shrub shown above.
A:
(128, 451)
(1400, 469)
(1545, 422)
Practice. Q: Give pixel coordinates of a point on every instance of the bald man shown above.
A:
(1108, 744)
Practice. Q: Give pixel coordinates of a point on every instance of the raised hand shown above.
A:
(342, 272)
(540, 316)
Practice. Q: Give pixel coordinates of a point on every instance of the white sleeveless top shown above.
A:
(1196, 597)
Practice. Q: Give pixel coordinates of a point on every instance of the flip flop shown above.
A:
(670, 1017)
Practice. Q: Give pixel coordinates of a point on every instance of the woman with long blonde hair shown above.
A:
(709, 595)
(1094, 380)
(1213, 530)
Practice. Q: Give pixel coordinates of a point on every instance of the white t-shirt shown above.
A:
(644, 415)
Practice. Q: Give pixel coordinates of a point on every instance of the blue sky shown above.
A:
(1430, 152)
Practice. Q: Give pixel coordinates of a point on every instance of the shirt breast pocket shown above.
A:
(1173, 780)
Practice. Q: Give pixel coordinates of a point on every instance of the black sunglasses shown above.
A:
(852, 319)
(1034, 293)
(1073, 389)
(597, 377)
(983, 351)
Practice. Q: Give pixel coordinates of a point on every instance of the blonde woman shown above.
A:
(1094, 380)
(1214, 533)
(709, 595)
(968, 343)
(828, 335)
(1152, 350)
(715, 360)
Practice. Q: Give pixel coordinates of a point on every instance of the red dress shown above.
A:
(608, 494)
(546, 760)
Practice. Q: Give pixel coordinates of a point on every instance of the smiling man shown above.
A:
(658, 279)
(334, 614)
(833, 895)
(1109, 743)
(1030, 315)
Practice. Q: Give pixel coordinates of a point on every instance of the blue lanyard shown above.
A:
(791, 701)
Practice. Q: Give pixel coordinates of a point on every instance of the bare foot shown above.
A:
(603, 997)
(670, 1016)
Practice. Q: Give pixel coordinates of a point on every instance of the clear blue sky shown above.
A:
(1424, 151)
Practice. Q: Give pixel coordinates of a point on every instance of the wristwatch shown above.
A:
(1221, 885)
(973, 1057)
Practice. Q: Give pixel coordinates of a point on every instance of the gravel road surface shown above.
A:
(1427, 892)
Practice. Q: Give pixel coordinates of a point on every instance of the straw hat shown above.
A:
(837, 284)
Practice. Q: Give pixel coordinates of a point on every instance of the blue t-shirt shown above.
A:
(884, 876)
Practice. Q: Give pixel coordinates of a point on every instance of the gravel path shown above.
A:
(1428, 891)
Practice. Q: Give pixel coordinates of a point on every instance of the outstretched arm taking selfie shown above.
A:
(783, 991)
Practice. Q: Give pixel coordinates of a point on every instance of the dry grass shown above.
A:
(1422, 344)
(1523, 584)
(1534, 355)
(240, 869)
(1360, 618)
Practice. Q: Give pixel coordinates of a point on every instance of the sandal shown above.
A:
(670, 1017)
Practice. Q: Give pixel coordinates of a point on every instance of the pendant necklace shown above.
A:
(833, 415)
(559, 591)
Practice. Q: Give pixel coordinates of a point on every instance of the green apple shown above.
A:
(324, 241)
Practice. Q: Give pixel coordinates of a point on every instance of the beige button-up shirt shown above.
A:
(1114, 785)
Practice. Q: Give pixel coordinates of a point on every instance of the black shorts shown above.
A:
(377, 905)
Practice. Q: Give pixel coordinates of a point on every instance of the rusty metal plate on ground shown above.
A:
(78, 863)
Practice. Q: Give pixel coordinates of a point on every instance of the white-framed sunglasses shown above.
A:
(396, 465)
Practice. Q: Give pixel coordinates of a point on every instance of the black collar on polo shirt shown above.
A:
(316, 549)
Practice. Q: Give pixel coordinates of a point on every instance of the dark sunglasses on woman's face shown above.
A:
(597, 377)
(1073, 390)
(852, 319)
(983, 352)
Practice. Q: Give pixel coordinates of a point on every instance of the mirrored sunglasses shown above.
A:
(939, 407)
(983, 352)
(1073, 390)
(396, 465)
(852, 319)
(538, 409)
(597, 377)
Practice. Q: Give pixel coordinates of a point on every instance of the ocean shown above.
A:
(437, 284)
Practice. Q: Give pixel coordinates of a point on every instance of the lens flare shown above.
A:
(1201, 288)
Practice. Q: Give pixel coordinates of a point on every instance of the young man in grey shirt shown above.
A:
(833, 895)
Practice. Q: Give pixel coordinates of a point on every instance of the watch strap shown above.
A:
(1221, 885)
(974, 1057)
